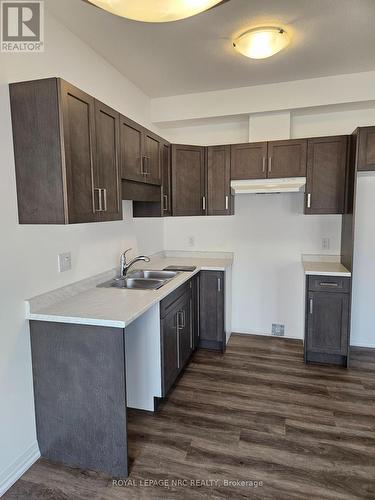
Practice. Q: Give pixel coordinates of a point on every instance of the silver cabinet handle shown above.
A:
(100, 200)
(311, 306)
(104, 199)
(204, 203)
(323, 283)
(270, 164)
(165, 200)
(178, 342)
(309, 200)
(227, 203)
(264, 165)
(147, 165)
(219, 285)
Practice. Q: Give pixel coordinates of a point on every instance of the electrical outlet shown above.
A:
(65, 262)
(326, 243)
(278, 330)
(191, 241)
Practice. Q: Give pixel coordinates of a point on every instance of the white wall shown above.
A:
(28, 263)
(363, 331)
(268, 234)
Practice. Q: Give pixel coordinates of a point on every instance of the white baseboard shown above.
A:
(262, 334)
(15, 470)
(368, 345)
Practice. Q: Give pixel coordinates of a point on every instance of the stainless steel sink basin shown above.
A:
(133, 283)
(156, 275)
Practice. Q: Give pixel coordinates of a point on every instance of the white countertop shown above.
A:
(117, 307)
(322, 268)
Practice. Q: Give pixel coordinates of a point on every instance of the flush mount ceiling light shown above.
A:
(259, 43)
(155, 11)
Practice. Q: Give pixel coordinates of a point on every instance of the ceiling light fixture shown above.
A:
(259, 43)
(155, 11)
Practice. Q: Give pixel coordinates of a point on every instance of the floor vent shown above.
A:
(278, 330)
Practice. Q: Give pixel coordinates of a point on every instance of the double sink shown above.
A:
(141, 280)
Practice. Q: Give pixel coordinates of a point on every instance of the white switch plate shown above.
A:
(325, 243)
(191, 241)
(65, 262)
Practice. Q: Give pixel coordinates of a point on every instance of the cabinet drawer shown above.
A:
(329, 284)
(168, 302)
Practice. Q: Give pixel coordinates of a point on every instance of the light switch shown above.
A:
(325, 243)
(65, 262)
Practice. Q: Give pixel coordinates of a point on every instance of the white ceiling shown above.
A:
(195, 55)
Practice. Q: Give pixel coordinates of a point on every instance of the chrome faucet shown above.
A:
(124, 265)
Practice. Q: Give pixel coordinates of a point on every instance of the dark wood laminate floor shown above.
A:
(255, 414)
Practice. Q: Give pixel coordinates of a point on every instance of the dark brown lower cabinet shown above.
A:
(327, 320)
(79, 380)
(211, 310)
(177, 333)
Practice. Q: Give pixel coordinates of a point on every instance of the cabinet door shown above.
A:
(78, 118)
(166, 180)
(131, 143)
(107, 161)
(328, 323)
(326, 172)
(212, 328)
(287, 159)
(218, 180)
(152, 166)
(248, 161)
(195, 286)
(188, 180)
(169, 350)
(185, 332)
(366, 148)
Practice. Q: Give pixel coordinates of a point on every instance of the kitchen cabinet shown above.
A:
(176, 328)
(326, 175)
(327, 320)
(287, 158)
(188, 180)
(276, 159)
(166, 179)
(218, 180)
(366, 148)
(66, 154)
(140, 153)
(211, 310)
(249, 161)
(79, 377)
(132, 158)
(107, 127)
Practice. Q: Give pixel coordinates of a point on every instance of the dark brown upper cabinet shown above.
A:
(366, 148)
(166, 179)
(152, 151)
(107, 125)
(132, 159)
(326, 175)
(218, 180)
(140, 153)
(188, 180)
(273, 160)
(65, 173)
(249, 161)
(287, 158)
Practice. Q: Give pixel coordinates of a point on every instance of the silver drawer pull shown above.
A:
(311, 306)
(165, 199)
(204, 203)
(328, 284)
(219, 285)
(264, 165)
(100, 200)
(270, 164)
(309, 200)
(227, 203)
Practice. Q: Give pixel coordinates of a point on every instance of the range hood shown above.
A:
(257, 186)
